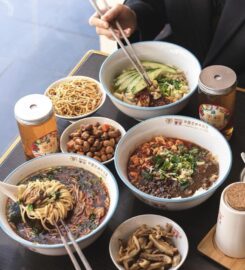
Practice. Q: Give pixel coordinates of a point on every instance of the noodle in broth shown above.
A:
(90, 205)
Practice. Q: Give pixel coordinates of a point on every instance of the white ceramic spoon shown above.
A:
(9, 190)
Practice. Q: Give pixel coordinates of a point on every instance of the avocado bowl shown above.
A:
(153, 51)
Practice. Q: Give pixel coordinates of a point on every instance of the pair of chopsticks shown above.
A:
(75, 245)
(131, 55)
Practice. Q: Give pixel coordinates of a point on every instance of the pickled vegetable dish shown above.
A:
(169, 167)
(149, 248)
(90, 208)
(169, 85)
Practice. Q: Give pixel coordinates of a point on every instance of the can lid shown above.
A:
(33, 109)
(217, 80)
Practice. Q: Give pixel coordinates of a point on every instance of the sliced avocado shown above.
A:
(118, 80)
(141, 83)
(133, 84)
(126, 83)
(154, 65)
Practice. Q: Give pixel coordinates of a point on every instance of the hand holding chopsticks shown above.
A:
(131, 55)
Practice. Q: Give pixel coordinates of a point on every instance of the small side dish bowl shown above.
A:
(179, 127)
(54, 160)
(88, 121)
(82, 78)
(161, 52)
(129, 226)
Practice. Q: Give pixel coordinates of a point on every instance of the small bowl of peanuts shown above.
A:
(96, 137)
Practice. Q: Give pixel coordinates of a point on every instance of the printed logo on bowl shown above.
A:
(45, 145)
(216, 116)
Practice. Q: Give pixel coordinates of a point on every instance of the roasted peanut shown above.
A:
(88, 127)
(85, 135)
(103, 157)
(102, 150)
(96, 143)
(98, 154)
(74, 134)
(91, 140)
(97, 133)
(113, 134)
(104, 136)
(106, 143)
(77, 147)
(70, 145)
(82, 128)
(109, 150)
(89, 154)
(97, 158)
(109, 156)
(78, 141)
(86, 147)
(112, 141)
(93, 149)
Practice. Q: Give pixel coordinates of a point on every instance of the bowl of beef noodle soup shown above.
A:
(173, 162)
(77, 189)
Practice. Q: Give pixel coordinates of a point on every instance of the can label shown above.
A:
(214, 115)
(45, 145)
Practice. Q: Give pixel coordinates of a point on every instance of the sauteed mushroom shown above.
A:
(149, 248)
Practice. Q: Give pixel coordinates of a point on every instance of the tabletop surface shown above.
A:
(196, 222)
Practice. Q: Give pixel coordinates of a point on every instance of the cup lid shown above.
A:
(33, 109)
(217, 80)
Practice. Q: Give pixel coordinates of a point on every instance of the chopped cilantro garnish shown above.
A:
(146, 175)
(30, 207)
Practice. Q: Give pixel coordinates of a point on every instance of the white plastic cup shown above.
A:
(230, 229)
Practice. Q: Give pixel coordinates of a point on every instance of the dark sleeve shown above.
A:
(151, 16)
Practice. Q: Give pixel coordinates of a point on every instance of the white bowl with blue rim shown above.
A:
(162, 52)
(54, 160)
(186, 128)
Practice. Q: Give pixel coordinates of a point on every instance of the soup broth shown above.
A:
(91, 205)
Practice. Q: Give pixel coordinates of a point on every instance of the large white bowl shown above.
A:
(71, 78)
(53, 160)
(87, 121)
(162, 52)
(185, 128)
(129, 226)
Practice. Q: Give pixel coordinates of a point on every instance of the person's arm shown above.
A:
(150, 15)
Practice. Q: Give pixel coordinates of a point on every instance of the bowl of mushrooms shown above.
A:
(96, 137)
(148, 242)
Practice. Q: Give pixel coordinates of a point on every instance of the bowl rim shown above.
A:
(174, 200)
(123, 131)
(12, 234)
(68, 78)
(129, 220)
(141, 108)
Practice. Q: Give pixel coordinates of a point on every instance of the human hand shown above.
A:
(123, 14)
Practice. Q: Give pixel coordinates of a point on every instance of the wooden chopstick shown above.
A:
(68, 249)
(133, 59)
(76, 246)
(240, 89)
(133, 53)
